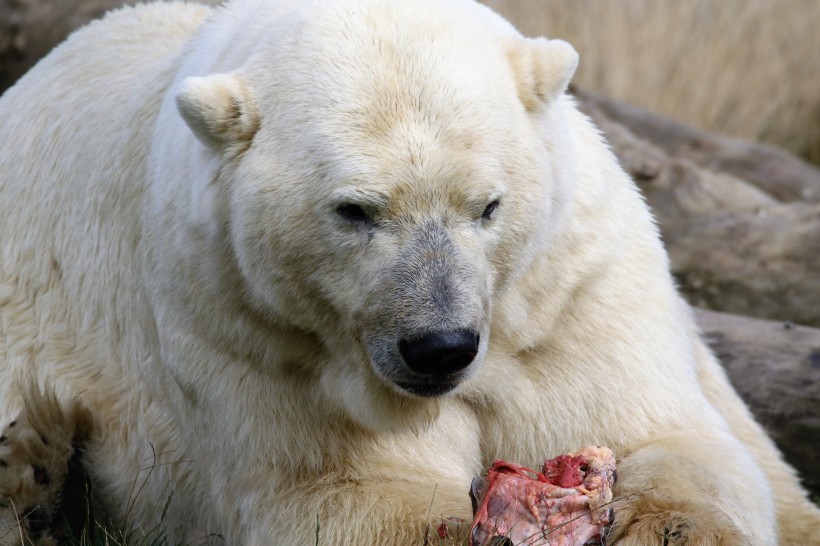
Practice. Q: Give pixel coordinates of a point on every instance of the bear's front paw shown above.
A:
(648, 519)
(32, 467)
(36, 448)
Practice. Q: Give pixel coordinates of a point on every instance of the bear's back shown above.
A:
(69, 113)
(74, 135)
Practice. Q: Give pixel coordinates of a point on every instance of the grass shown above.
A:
(748, 68)
(100, 535)
(96, 532)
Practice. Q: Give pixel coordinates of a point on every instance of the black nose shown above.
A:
(440, 353)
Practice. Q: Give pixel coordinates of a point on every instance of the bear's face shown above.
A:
(398, 236)
(384, 205)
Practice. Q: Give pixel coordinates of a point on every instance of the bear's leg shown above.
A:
(36, 447)
(654, 520)
(699, 488)
(340, 511)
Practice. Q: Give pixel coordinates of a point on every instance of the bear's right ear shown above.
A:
(542, 68)
(219, 109)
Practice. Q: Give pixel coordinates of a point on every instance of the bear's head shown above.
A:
(390, 172)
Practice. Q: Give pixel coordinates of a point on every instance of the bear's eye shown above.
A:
(489, 211)
(354, 213)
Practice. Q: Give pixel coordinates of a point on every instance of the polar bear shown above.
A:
(303, 268)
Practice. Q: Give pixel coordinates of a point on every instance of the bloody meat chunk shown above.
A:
(567, 503)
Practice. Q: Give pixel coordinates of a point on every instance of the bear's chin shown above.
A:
(432, 389)
(374, 402)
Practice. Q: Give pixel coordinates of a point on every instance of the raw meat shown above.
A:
(568, 503)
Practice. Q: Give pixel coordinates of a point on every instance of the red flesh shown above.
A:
(566, 504)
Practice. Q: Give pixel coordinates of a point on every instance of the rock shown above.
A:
(775, 366)
(739, 241)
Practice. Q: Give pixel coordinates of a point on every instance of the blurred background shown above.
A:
(747, 68)
(713, 107)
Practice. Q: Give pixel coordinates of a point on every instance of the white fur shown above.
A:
(172, 258)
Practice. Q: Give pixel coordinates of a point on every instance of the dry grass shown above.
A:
(749, 68)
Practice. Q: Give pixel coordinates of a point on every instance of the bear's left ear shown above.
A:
(543, 69)
(219, 109)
